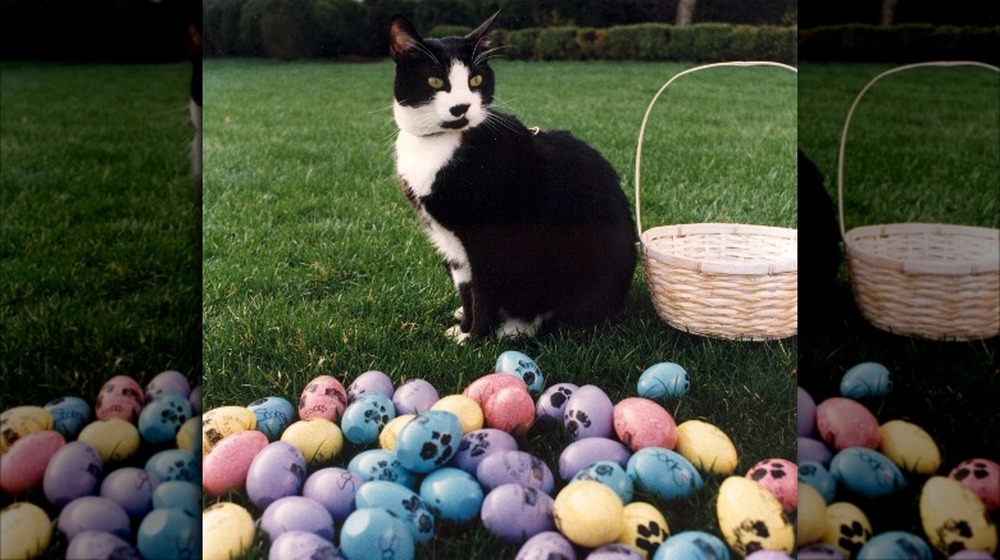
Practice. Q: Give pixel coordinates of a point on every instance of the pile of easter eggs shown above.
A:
(847, 457)
(414, 458)
(80, 465)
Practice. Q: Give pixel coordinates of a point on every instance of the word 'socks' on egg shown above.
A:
(982, 476)
(69, 415)
(663, 473)
(222, 421)
(752, 519)
(846, 423)
(323, 397)
(954, 518)
(589, 413)
(273, 414)
(229, 531)
(707, 447)
(640, 422)
(522, 366)
(909, 447)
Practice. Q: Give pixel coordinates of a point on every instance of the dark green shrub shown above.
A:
(449, 31)
(557, 43)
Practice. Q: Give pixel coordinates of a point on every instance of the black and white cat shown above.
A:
(532, 224)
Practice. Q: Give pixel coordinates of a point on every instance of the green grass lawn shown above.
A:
(924, 148)
(100, 228)
(315, 264)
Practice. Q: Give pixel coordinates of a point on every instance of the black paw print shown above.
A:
(379, 416)
(604, 470)
(558, 398)
(955, 532)
(853, 537)
(527, 372)
(977, 469)
(749, 535)
(173, 415)
(807, 470)
(439, 448)
(479, 443)
(650, 537)
(577, 419)
(213, 435)
(777, 471)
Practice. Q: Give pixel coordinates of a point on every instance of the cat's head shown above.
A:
(442, 85)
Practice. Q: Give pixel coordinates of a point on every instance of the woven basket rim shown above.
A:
(751, 267)
(944, 232)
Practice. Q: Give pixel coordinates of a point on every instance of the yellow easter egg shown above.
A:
(589, 513)
(645, 528)
(228, 531)
(188, 434)
(707, 447)
(909, 447)
(387, 437)
(26, 531)
(222, 421)
(811, 515)
(17, 422)
(847, 528)
(470, 415)
(954, 518)
(114, 439)
(751, 518)
(317, 438)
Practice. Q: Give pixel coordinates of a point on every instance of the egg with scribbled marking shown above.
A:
(663, 473)
(401, 501)
(645, 528)
(866, 472)
(982, 476)
(895, 544)
(707, 447)
(69, 415)
(520, 365)
(132, 489)
(692, 545)
(222, 421)
(780, 477)
(477, 445)
(517, 467)
(227, 465)
(954, 518)
(334, 488)
(273, 414)
(323, 397)
(867, 379)
(276, 471)
(751, 518)
(229, 531)
(847, 528)
(909, 447)
(642, 423)
(120, 397)
(515, 513)
(665, 379)
(26, 530)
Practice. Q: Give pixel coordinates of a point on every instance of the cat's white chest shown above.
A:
(419, 158)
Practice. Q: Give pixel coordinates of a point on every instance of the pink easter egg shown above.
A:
(227, 464)
(120, 397)
(643, 423)
(510, 409)
(780, 477)
(482, 389)
(844, 423)
(23, 465)
(982, 476)
(324, 397)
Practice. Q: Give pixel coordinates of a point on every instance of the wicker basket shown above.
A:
(729, 281)
(936, 281)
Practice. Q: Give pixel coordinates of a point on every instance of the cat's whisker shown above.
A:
(488, 54)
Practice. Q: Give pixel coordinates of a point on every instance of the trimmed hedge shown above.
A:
(900, 44)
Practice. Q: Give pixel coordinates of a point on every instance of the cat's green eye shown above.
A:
(476, 80)
(435, 82)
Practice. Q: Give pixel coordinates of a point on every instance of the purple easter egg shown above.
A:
(614, 551)
(818, 551)
(296, 513)
(195, 399)
(515, 467)
(546, 545)
(479, 444)
(132, 489)
(99, 545)
(806, 413)
(72, 472)
(589, 413)
(302, 544)
(276, 471)
(414, 396)
(552, 404)
(334, 488)
(169, 382)
(585, 452)
(373, 381)
(515, 513)
(813, 450)
(94, 513)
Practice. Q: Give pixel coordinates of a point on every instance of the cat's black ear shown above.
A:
(403, 38)
(480, 35)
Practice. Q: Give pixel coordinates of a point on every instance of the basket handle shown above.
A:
(649, 110)
(850, 114)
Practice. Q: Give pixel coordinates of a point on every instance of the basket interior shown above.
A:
(724, 248)
(930, 248)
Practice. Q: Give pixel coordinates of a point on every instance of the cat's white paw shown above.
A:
(455, 333)
(459, 314)
(519, 327)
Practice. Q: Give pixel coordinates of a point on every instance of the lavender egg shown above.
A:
(273, 414)
(296, 513)
(72, 472)
(516, 363)
(195, 399)
(94, 513)
(166, 383)
(546, 545)
(365, 417)
(276, 471)
(100, 545)
(334, 488)
(69, 415)
(589, 413)
(819, 551)
(400, 501)
(162, 417)
(414, 396)
(551, 405)
(585, 452)
(379, 464)
(175, 464)
(479, 444)
(614, 551)
(302, 544)
(369, 382)
(806, 413)
(610, 474)
(810, 449)
(132, 489)
(375, 534)
(515, 513)
(515, 467)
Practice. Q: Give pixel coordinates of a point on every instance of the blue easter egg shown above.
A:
(895, 545)
(522, 366)
(69, 415)
(402, 502)
(610, 474)
(273, 414)
(663, 379)
(380, 464)
(162, 417)
(452, 494)
(375, 534)
(866, 472)
(428, 441)
(169, 533)
(175, 464)
(867, 379)
(180, 494)
(815, 474)
(692, 545)
(663, 473)
(365, 417)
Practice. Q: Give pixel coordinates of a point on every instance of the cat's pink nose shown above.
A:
(459, 110)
